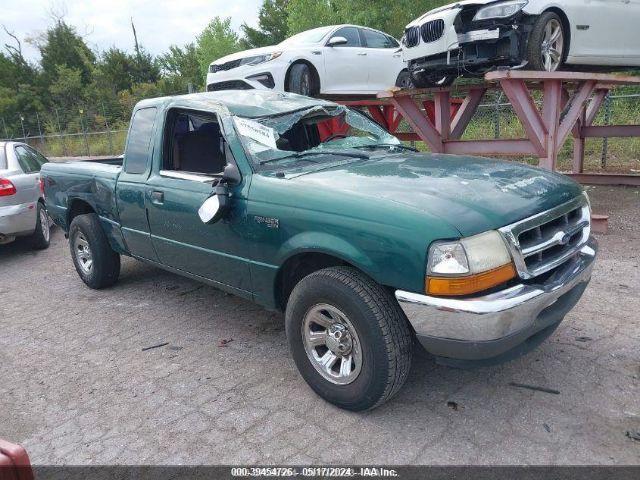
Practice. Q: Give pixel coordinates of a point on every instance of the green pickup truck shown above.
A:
(311, 208)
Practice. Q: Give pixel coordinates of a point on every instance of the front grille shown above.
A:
(432, 31)
(544, 242)
(229, 85)
(225, 66)
(412, 37)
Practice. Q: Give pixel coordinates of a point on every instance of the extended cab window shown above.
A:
(139, 141)
(194, 144)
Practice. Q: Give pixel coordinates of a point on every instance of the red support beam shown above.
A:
(442, 104)
(551, 106)
(490, 147)
(525, 108)
(466, 112)
(594, 106)
(376, 113)
(419, 122)
(620, 131)
(577, 105)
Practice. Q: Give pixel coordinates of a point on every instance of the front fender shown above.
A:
(321, 242)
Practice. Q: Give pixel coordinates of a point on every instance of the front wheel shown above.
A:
(547, 44)
(301, 81)
(404, 80)
(95, 261)
(423, 80)
(348, 337)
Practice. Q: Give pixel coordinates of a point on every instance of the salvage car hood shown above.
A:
(451, 6)
(470, 193)
(253, 52)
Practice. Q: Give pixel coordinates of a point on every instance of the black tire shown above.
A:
(105, 267)
(537, 37)
(381, 327)
(301, 81)
(422, 80)
(41, 238)
(404, 80)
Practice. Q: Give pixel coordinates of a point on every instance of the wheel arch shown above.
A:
(303, 263)
(78, 206)
(314, 72)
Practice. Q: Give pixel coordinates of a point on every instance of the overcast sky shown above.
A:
(104, 23)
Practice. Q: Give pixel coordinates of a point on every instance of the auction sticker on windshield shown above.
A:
(256, 131)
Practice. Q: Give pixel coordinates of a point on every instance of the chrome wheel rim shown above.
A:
(332, 344)
(44, 224)
(83, 253)
(552, 48)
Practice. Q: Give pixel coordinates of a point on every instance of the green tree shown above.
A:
(114, 70)
(390, 17)
(306, 14)
(62, 46)
(216, 40)
(272, 25)
(180, 67)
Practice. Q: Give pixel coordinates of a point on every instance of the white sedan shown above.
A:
(338, 59)
(468, 38)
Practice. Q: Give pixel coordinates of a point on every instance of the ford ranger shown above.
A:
(311, 208)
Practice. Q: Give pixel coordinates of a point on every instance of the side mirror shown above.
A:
(217, 204)
(335, 41)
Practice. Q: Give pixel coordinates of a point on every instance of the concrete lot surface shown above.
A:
(76, 386)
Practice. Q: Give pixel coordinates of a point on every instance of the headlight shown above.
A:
(500, 10)
(469, 265)
(260, 58)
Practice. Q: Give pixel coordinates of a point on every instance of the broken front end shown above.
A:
(466, 40)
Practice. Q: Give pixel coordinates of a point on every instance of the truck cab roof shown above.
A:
(243, 103)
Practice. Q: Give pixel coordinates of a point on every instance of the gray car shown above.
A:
(22, 210)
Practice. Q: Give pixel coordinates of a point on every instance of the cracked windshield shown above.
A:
(320, 134)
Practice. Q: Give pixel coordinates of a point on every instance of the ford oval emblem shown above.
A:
(565, 240)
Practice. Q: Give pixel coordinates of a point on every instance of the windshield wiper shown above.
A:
(363, 156)
(390, 145)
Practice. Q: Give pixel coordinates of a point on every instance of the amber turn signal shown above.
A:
(457, 286)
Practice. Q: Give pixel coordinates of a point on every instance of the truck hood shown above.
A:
(471, 194)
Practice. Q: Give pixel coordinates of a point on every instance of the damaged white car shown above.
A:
(471, 37)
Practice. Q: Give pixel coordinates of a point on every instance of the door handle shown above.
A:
(362, 54)
(157, 197)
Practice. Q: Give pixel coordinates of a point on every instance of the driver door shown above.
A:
(346, 66)
(194, 158)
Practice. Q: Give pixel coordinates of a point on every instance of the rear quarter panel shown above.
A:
(94, 184)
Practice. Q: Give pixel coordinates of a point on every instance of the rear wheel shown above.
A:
(42, 235)
(301, 81)
(95, 261)
(348, 337)
(547, 43)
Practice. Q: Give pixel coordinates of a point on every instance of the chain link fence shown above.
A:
(102, 129)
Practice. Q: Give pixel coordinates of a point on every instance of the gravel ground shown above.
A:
(77, 387)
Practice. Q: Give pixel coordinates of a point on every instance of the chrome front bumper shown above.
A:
(491, 325)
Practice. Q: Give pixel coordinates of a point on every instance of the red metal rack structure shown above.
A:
(570, 103)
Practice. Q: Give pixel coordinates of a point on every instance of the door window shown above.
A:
(194, 144)
(351, 34)
(375, 39)
(139, 141)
